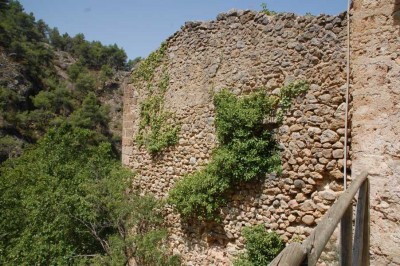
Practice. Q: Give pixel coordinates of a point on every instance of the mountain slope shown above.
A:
(45, 77)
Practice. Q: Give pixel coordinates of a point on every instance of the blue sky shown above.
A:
(139, 26)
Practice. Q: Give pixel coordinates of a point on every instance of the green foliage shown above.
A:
(157, 128)
(10, 100)
(75, 70)
(23, 39)
(16, 22)
(91, 54)
(199, 195)
(155, 131)
(85, 83)
(289, 92)
(132, 63)
(106, 72)
(146, 68)
(44, 198)
(56, 39)
(39, 101)
(4, 5)
(149, 250)
(64, 202)
(267, 11)
(242, 260)
(58, 101)
(261, 246)
(146, 244)
(9, 147)
(247, 150)
(35, 123)
(91, 115)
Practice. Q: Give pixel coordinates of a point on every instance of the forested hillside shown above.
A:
(64, 198)
(47, 79)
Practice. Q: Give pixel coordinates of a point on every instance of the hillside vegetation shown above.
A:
(46, 78)
(64, 197)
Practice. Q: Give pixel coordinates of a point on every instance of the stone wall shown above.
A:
(243, 51)
(375, 46)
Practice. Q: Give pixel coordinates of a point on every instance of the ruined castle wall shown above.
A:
(375, 49)
(243, 51)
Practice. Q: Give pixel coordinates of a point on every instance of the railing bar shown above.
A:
(317, 240)
(346, 237)
(293, 254)
(366, 231)
(313, 246)
(360, 226)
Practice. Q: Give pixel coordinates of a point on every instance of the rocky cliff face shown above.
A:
(375, 49)
(244, 51)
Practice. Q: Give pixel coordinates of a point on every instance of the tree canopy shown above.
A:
(65, 202)
(42, 98)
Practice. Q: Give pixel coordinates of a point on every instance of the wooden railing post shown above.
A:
(317, 240)
(310, 250)
(362, 231)
(346, 237)
(293, 254)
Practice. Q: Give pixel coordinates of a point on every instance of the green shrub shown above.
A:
(10, 146)
(91, 114)
(242, 260)
(58, 101)
(247, 150)
(85, 83)
(75, 70)
(261, 246)
(150, 252)
(199, 195)
(106, 73)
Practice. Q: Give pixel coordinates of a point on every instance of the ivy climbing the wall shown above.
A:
(157, 127)
(247, 150)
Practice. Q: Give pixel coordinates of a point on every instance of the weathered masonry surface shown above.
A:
(375, 45)
(243, 51)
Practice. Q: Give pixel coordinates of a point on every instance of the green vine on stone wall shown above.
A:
(287, 94)
(157, 127)
(247, 151)
(145, 70)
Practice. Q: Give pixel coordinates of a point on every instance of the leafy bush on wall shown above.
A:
(247, 151)
(261, 246)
